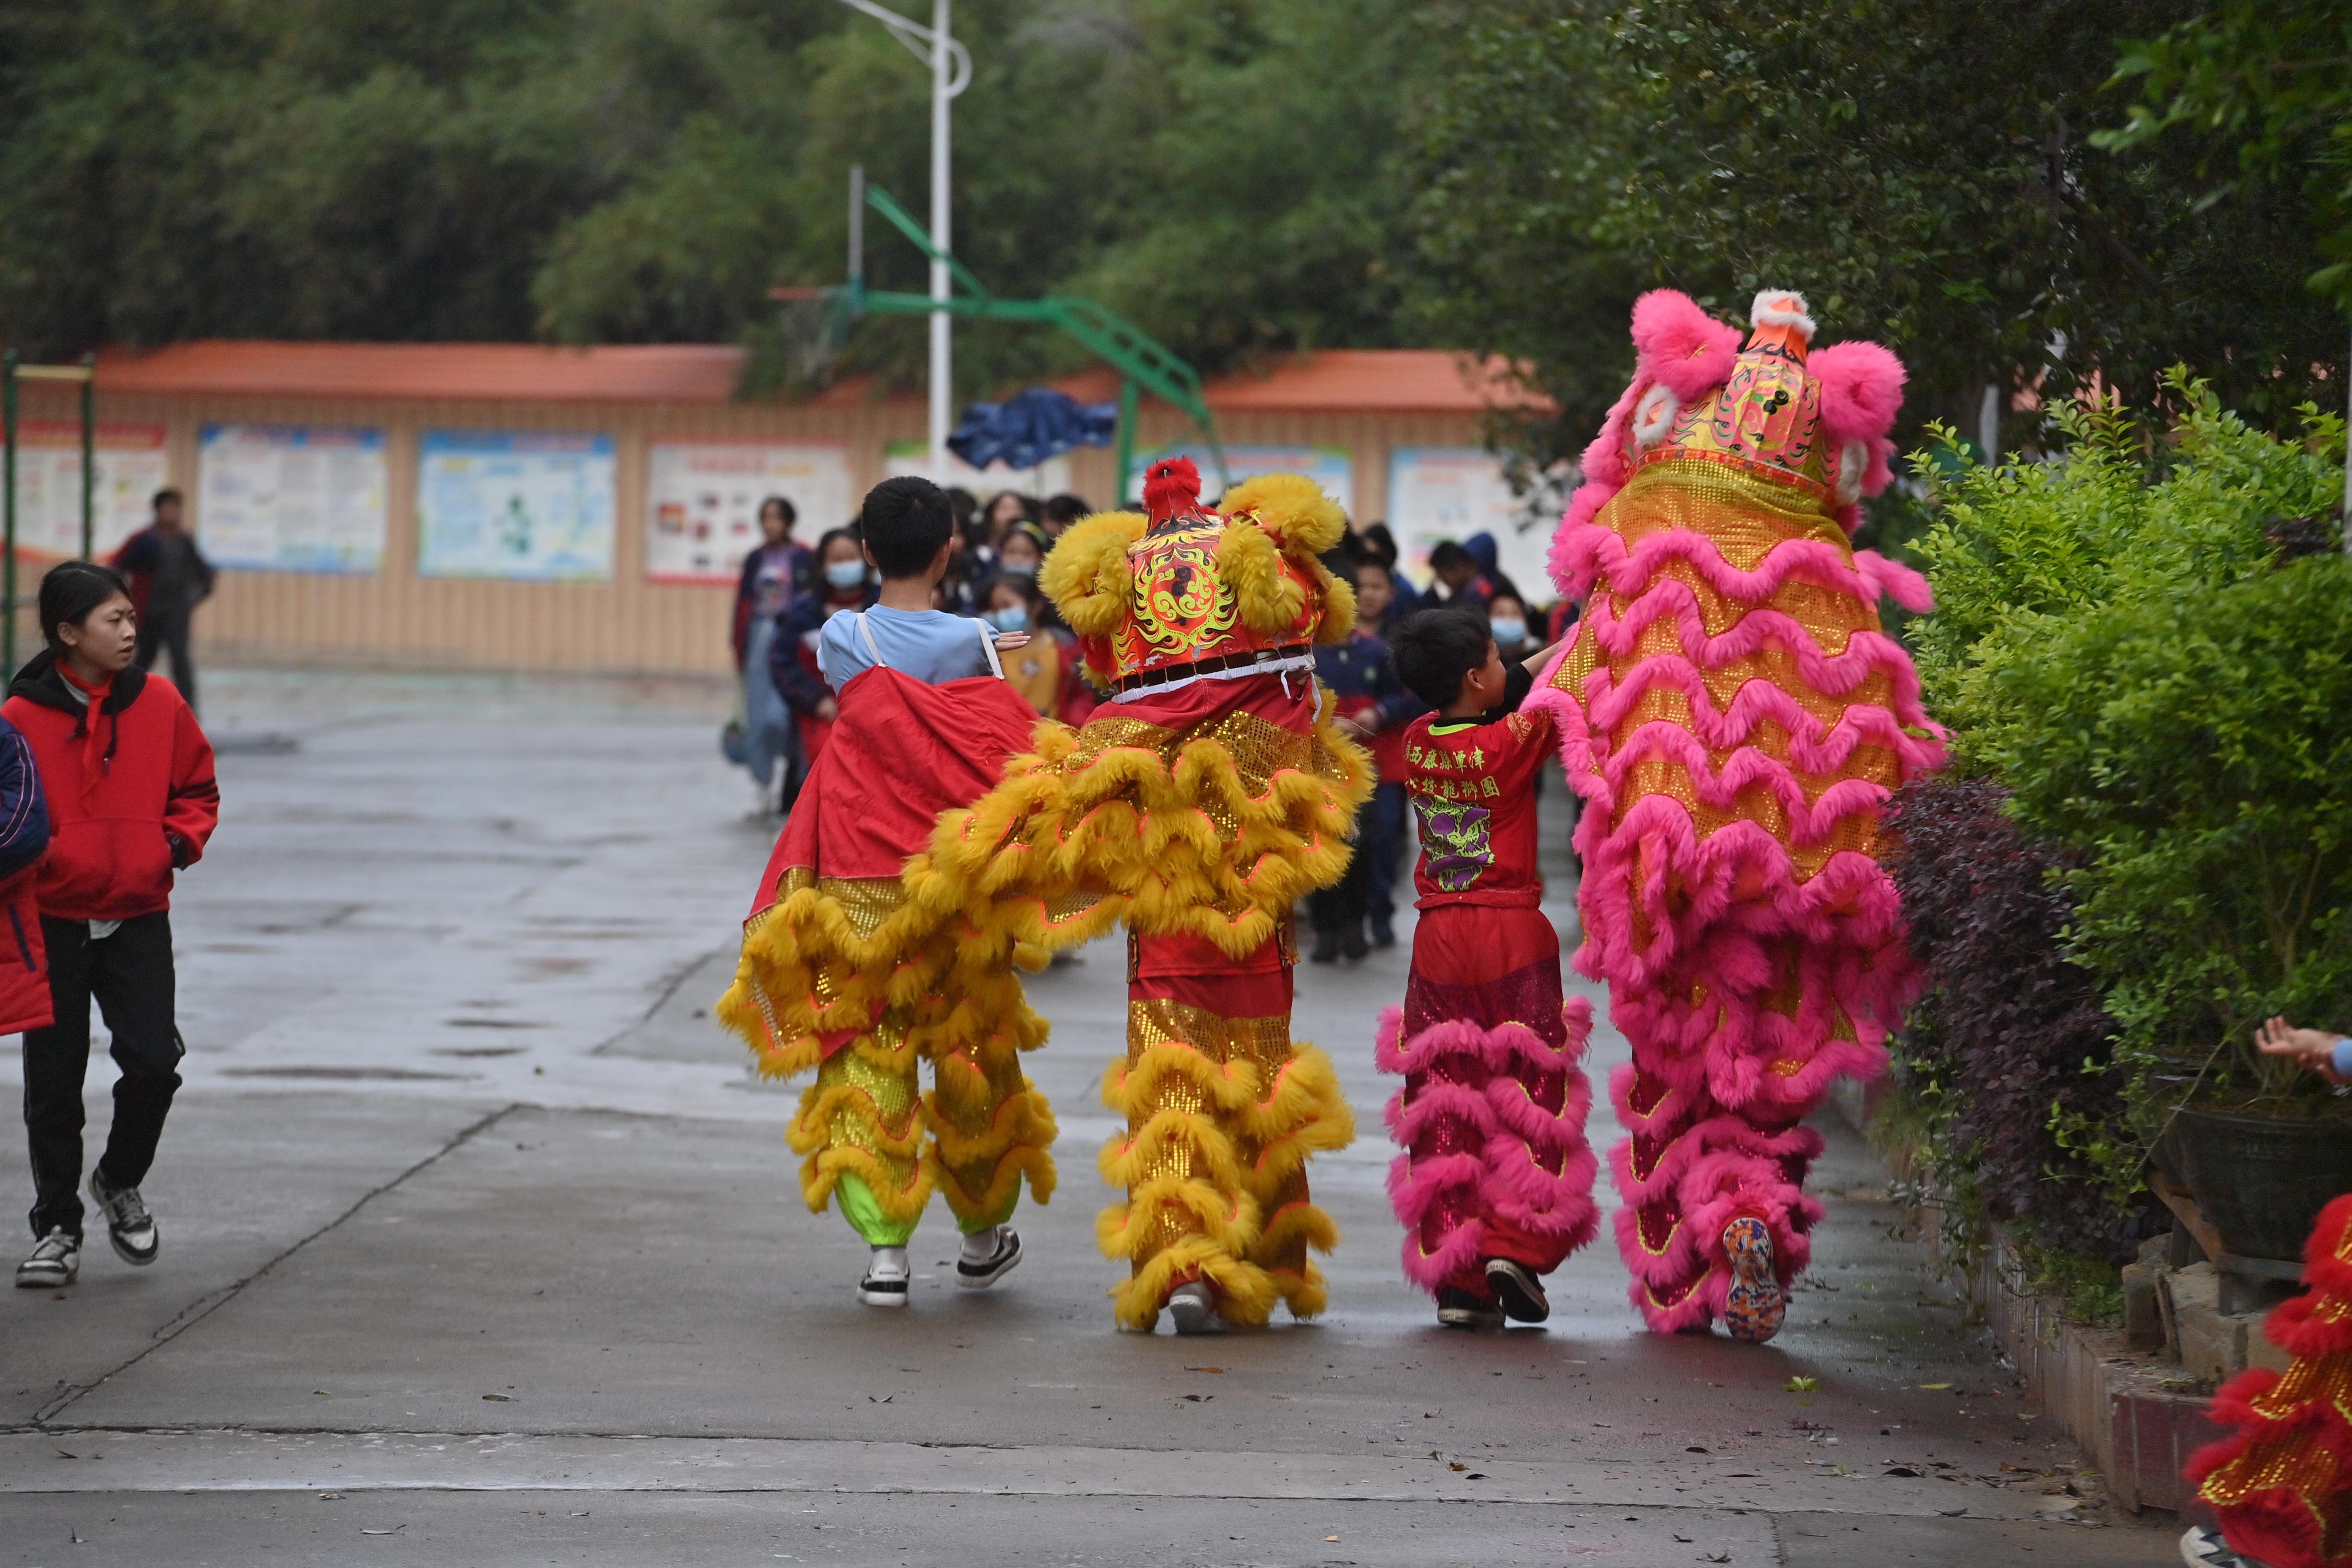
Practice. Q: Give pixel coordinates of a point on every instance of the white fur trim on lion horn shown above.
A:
(1654, 417)
(1780, 308)
(1854, 466)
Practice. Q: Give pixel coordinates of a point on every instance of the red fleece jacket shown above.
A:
(126, 812)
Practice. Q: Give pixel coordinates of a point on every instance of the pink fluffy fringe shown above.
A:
(1723, 914)
(1515, 1140)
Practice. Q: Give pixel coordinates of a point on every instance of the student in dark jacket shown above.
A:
(127, 779)
(1373, 706)
(169, 578)
(843, 581)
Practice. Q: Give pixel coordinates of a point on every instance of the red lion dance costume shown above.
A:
(1197, 806)
(2282, 1483)
(1735, 718)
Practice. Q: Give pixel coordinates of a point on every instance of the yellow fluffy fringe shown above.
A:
(1243, 1149)
(952, 1002)
(1086, 576)
(1137, 837)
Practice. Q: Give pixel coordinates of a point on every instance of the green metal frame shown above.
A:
(1143, 362)
(12, 371)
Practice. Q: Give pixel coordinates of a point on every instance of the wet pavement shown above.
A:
(482, 1246)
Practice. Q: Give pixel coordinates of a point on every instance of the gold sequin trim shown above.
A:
(867, 902)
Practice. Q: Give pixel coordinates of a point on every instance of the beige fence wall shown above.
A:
(396, 618)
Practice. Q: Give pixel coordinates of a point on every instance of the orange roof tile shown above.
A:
(1332, 380)
(653, 373)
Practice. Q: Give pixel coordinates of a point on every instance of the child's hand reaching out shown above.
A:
(1008, 641)
(2314, 1049)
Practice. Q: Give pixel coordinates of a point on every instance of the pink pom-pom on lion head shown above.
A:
(1680, 345)
(1862, 391)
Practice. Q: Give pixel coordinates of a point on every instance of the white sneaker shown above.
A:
(129, 1225)
(884, 1284)
(1194, 1308)
(988, 1256)
(56, 1259)
(2203, 1547)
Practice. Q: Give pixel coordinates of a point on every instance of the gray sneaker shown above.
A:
(1194, 1308)
(127, 1224)
(56, 1259)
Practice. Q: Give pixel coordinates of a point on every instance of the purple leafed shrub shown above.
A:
(2004, 1035)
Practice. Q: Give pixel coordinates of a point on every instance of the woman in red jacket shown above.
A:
(128, 780)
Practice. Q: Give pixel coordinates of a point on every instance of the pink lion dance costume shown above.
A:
(1735, 718)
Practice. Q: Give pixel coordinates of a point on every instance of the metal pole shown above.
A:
(8, 480)
(942, 378)
(858, 228)
(1127, 401)
(89, 458)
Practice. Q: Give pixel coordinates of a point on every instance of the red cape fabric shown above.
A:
(901, 753)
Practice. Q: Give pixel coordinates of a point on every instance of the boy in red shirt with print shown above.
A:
(1494, 1186)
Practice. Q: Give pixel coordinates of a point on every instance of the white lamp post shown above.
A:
(950, 65)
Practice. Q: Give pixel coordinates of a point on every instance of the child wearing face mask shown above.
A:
(1047, 672)
(842, 582)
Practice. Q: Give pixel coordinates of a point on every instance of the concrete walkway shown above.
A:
(483, 1246)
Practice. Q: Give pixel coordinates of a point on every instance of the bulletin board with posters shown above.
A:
(1452, 492)
(129, 466)
(291, 498)
(527, 505)
(1050, 478)
(1332, 468)
(702, 502)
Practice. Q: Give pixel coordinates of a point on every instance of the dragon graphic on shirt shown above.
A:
(1457, 841)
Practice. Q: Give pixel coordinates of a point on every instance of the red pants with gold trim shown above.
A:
(1223, 1110)
(1492, 1114)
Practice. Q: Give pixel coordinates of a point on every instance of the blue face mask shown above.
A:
(846, 573)
(1018, 568)
(1013, 618)
(1508, 632)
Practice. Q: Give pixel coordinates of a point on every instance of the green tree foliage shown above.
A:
(2264, 91)
(2021, 552)
(645, 170)
(2145, 647)
(1920, 169)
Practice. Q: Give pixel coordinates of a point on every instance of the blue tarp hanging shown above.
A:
(1024, 431)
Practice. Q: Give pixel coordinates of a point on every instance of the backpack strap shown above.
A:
(872, 650)
(988, 646)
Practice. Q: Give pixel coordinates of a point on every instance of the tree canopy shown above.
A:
(1977, 186)
(1923, 172)
(641, 170)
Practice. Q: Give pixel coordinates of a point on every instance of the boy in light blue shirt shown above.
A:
(909, 530)
(908, 534)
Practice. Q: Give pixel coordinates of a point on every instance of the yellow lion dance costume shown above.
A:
(1196, 806)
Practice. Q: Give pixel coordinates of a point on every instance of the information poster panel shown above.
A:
(528, 506)
(130, 467)
(291, 498)
(702, 502)
(1452, 492)
(1050, 478)
(1329, 466)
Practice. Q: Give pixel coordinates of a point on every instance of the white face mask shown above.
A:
(1508, 632)
(1012, 618)
(1018, 568)
(846, 573)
